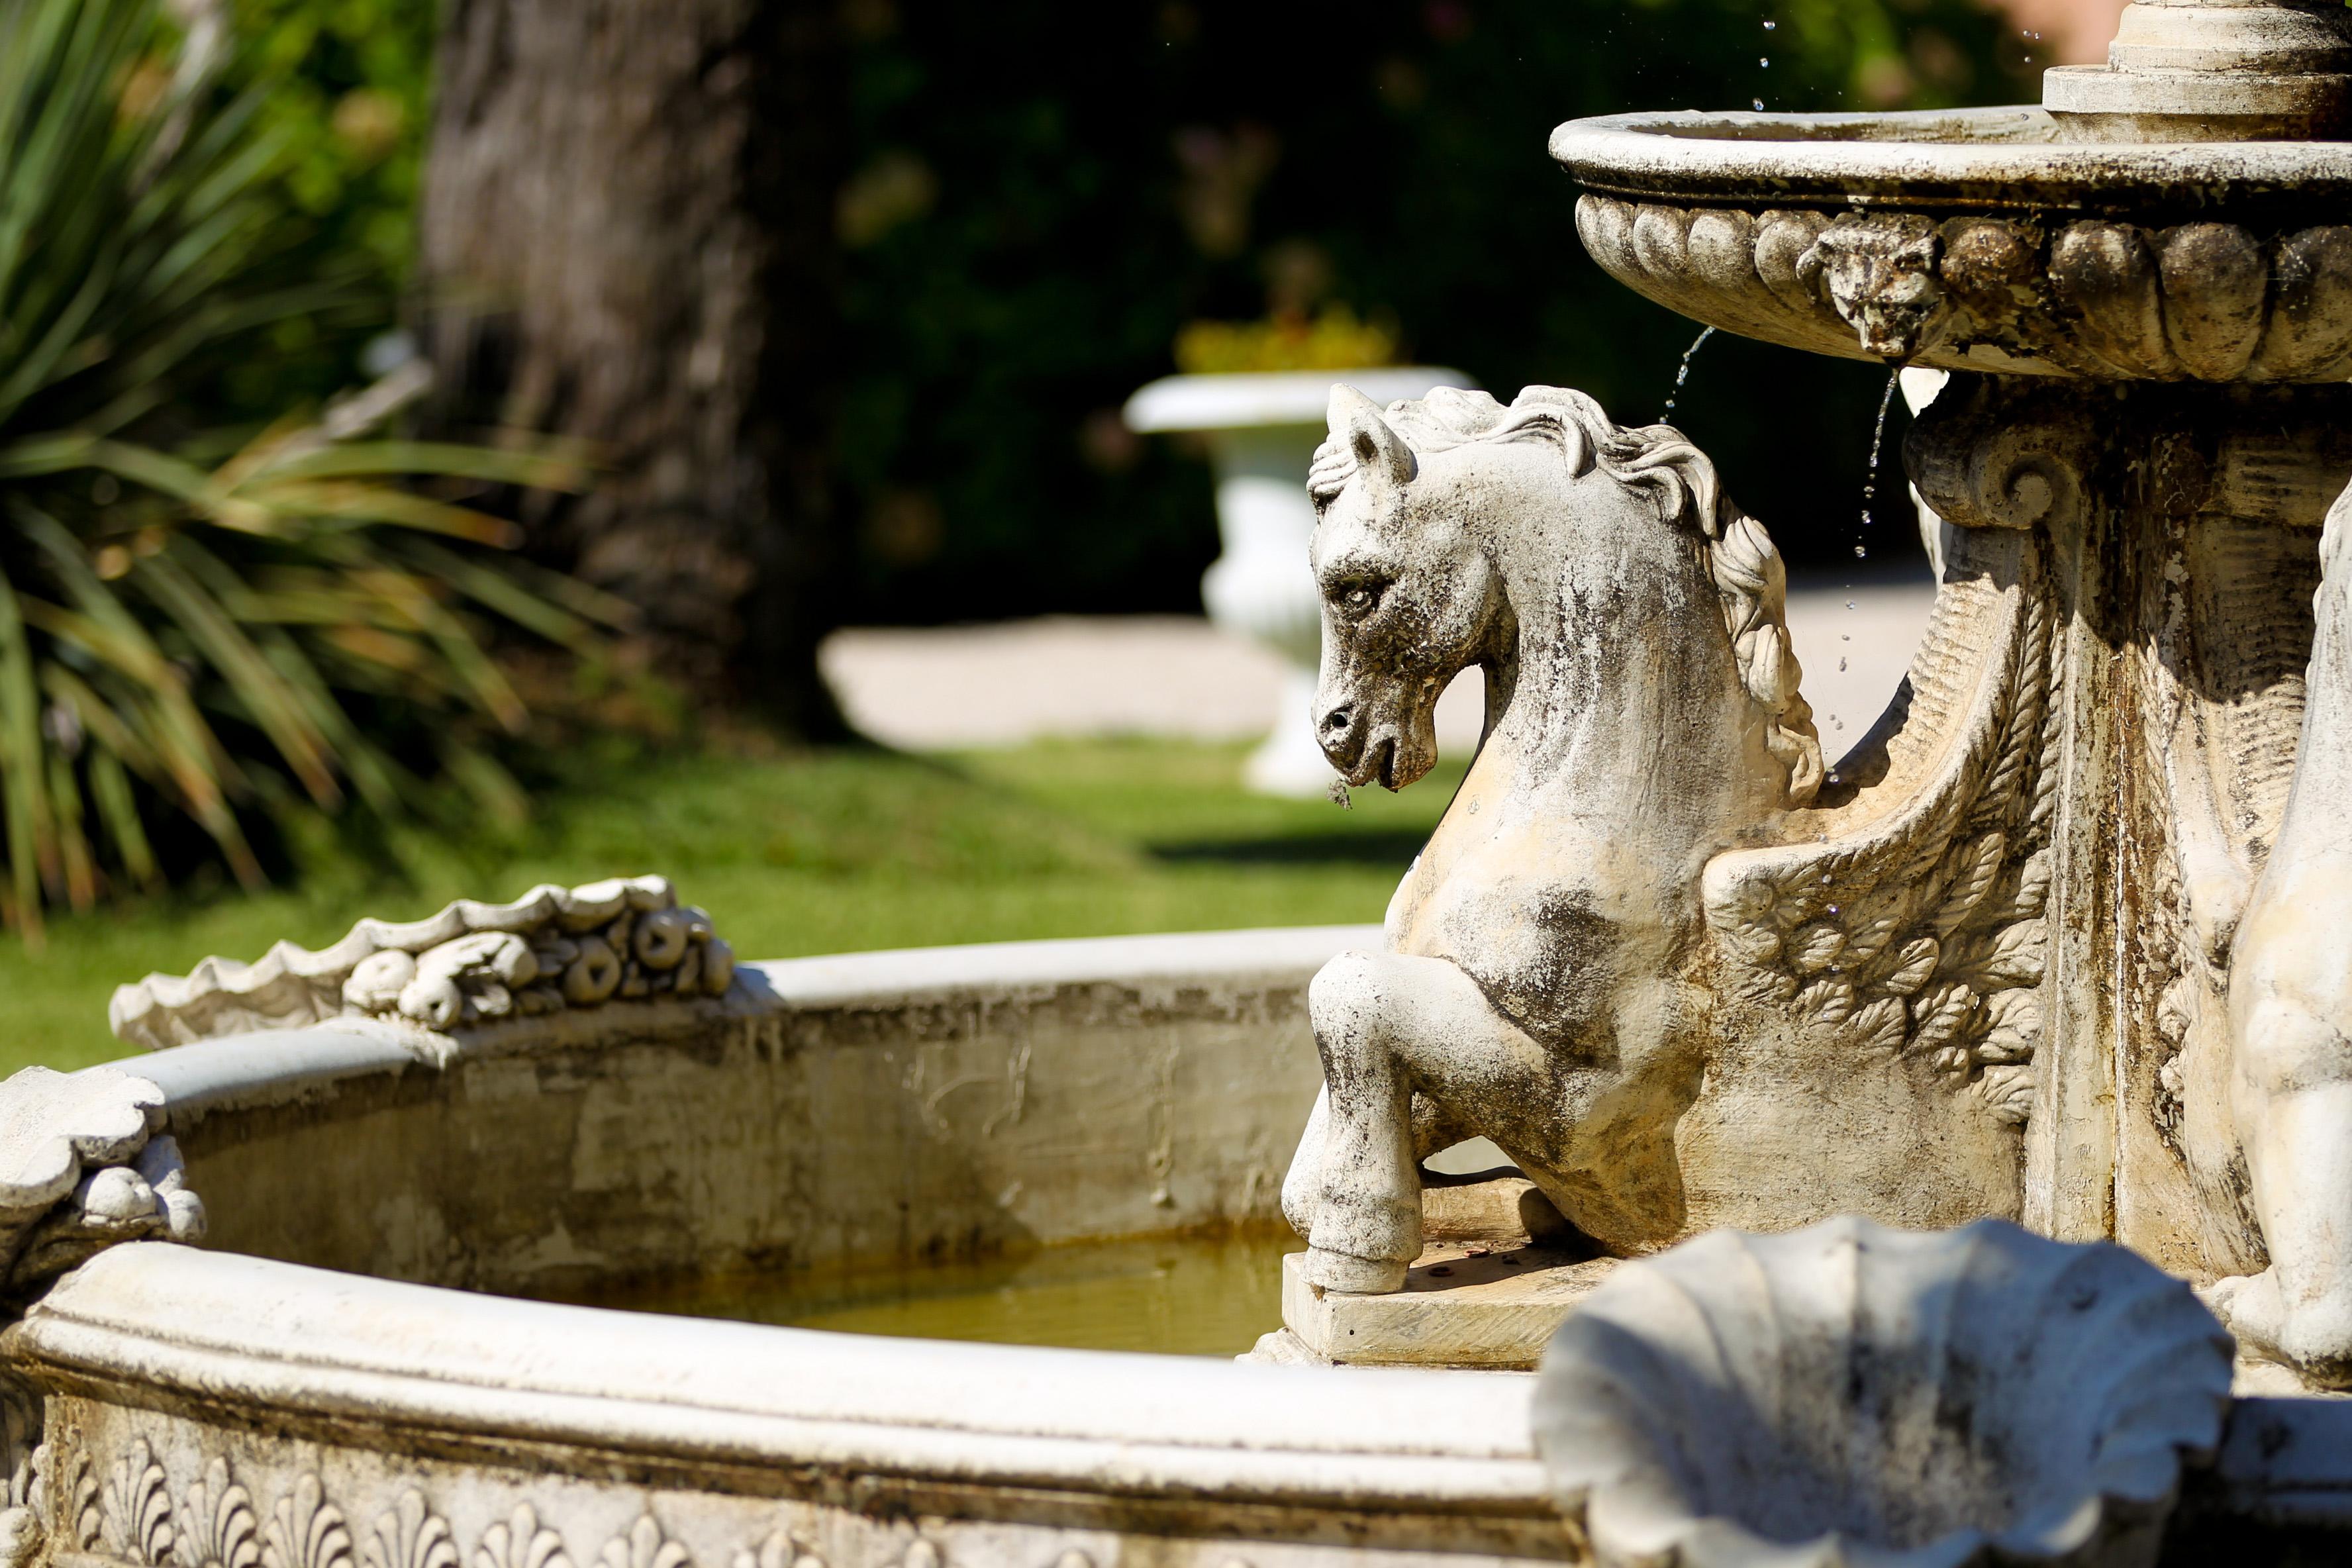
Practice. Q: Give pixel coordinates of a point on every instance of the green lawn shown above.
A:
(808, 852)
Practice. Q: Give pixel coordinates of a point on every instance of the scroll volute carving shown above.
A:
(1980, 461)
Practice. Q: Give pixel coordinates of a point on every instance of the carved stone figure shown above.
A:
(626, 938)
(2290, 1012)
(1677, 971)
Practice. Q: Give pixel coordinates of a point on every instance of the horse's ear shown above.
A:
(1356, 421)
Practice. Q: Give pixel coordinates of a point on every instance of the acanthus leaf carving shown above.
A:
(410, 1535)
(218, 1527)
(520, 1541)
(306, 1531)
(643, 1545)
(777, 1550)
(135, 1509)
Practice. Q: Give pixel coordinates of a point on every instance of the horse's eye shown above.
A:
(1360, 599)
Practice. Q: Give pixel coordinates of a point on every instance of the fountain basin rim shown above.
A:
(2004, 160)
(425, 1368)
(221, 1327)
(269, 1066)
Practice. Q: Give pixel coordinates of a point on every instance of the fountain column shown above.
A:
(2180, 529)
(2144, 290)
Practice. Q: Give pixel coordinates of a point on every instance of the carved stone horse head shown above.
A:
(1455, 530)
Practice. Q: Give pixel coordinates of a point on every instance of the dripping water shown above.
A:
(1869, 495)
(1870, 478)
(1681, 371)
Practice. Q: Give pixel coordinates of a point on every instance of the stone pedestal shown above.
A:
(1502, 1270)
(1462, 1306)
(2172, 537)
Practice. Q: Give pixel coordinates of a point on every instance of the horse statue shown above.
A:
(1677, 970)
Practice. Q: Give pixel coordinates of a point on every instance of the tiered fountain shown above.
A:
(2062, 941)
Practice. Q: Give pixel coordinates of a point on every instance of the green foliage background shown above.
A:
(1047, 193)
(349, 99)
(1043, 194)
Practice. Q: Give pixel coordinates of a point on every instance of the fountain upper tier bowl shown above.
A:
(1980, 239)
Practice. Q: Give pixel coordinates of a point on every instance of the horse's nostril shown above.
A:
(1335, 722)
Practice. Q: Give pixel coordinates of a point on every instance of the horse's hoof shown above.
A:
(1353, 1275)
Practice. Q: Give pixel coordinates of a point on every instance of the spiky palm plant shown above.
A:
(190, 622)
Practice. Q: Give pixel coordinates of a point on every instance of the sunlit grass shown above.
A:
(804, 852)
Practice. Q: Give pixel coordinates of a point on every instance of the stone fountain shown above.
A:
(2016, 953)
(2060, 943)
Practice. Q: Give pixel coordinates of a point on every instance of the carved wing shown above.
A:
(1910, 910)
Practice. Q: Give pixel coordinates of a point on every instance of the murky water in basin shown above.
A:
(1191, 1294)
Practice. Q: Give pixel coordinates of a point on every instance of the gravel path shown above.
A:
(1001, 684)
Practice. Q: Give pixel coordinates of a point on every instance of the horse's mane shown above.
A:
(1746, 570)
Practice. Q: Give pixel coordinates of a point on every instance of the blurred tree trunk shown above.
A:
(627, 237)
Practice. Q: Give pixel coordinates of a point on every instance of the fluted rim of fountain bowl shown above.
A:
(1600, 1377)
(2002, 160)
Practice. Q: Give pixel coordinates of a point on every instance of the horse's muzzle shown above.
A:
(1340, 733)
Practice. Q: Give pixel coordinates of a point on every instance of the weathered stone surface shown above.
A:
(81, 1167)
(2290, 1021)
(2093, 298)
(472, 964)
(1687, 985)
(1505, 1209)
(1461, 1306)
(1848, 1393)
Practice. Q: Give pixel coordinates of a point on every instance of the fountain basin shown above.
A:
(1979, 240)
(345, 1377)
(875, 1110)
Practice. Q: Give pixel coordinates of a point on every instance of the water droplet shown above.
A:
(1836, 722)
(1849, 604)
(1846, 636)
(1681, 371)
(1840, 665)
(1770, 25)
(1759, 106)
(1764, 60)
(1878, 446)
(1837, 778)
(1833, 908)
(1862, 552)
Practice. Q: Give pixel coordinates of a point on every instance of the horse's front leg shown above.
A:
(1384, 1024)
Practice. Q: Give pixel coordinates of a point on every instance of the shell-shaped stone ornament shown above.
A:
(1850, 1394)
(472, 964)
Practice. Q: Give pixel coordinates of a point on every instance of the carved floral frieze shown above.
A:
(2089, 298)
(627, 939)
(125, 1512)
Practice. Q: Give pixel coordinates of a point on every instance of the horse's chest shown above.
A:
(1546, 919)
